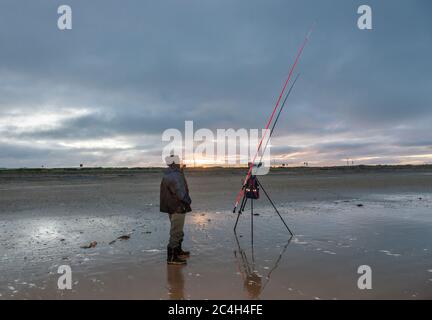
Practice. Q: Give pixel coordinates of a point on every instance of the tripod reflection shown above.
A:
(254, 283)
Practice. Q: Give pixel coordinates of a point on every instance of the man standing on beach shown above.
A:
(175, 200)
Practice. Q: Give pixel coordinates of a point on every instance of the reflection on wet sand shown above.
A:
(254, 283)
(252, 280)
(175, 282)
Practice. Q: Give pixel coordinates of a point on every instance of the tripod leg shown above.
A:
(277, 211)
(252, 221)
(238, 216)
(243, 203)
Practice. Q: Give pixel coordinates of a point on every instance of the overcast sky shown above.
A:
(103, 93)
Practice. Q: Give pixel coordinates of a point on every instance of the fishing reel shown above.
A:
(251, 189)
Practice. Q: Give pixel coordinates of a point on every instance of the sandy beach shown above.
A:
(381, 217)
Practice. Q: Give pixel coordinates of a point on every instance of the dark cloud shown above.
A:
(140, 67)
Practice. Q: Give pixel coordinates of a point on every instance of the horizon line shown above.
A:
(215, 167)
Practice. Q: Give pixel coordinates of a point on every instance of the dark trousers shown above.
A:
(176, 231)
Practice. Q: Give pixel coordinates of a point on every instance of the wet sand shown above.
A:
(341, 219)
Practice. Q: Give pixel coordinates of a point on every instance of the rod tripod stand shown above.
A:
(251, 194)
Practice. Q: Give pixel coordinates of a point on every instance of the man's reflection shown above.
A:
(252, 280)
(175, 281)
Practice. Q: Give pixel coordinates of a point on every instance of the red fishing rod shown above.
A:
(299, 53)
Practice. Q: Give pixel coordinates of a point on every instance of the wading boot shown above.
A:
(173, 258)
(181, 253)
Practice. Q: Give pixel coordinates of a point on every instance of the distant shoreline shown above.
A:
(108, 170)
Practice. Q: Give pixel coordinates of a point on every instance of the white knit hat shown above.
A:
(172, 159)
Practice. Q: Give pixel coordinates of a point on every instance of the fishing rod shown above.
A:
(283, 105)
(242, 204)
(277, 118)
(241, 191)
